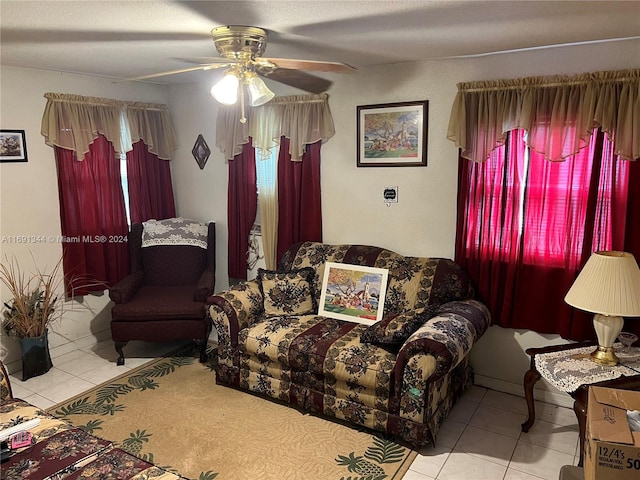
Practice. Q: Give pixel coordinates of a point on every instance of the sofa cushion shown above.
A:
(396, 329)
(158, 303)
(413, 283)
(320, 346)
(287, 293)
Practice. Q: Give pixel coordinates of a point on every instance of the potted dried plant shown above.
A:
(28, 314)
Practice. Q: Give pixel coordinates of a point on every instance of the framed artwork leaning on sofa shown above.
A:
(353, 292)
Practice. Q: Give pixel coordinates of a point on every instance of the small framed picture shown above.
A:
(393, 134)
(353, 292)
(13, 146)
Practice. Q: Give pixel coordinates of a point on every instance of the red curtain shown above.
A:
(299, 200)
(93, 218)
(150, 189)
(526, 226)
(632, 224)
(241, 209)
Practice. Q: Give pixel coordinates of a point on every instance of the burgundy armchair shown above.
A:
(163, 299)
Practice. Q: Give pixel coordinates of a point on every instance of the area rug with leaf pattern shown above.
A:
(170, 412)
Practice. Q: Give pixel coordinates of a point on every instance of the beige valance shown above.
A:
(304, 119)
(559, 113)
(74, 121)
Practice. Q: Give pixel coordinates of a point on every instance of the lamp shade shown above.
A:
(226, 90)
(609, 284)
(259, 93)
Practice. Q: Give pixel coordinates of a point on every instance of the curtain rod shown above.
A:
(544, 85)
(102, 102)
(298, 101)
(531, 82)
(310, 98)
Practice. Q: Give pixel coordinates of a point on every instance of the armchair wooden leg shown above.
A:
(119, 346)
(202, 344)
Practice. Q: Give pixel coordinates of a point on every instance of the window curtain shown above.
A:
(150, 188)
(301, 119)
(93, 218)
(241, 209)
(91, 197)
(74, 121)
(304, 119)
(558, 112)
(524, 250)
(299, 199)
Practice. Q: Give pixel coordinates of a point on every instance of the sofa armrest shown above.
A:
(236, 308)
(448, 336)
(433, 351)
(5, 385)
(231, 311)
(206, 285)
(125, 289)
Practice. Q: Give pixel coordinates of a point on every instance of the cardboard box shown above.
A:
(612, 450)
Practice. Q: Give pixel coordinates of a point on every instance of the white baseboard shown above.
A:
(556, 397)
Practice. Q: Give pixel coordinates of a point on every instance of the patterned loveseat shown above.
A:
(401, 375)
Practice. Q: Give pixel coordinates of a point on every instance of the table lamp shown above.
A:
(609, 287)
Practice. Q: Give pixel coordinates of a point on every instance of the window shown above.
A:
(547, 201)
(526, 226)
(125, 185)
(266, 175)
(266, 169)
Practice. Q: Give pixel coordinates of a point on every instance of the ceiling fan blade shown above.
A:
(48, 36)
(182, 70)
(207, 60)
(298, 79)
(310, 65)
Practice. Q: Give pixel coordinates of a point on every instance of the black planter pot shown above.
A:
(36, 359)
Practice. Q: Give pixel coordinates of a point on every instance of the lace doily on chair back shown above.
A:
(174, 231)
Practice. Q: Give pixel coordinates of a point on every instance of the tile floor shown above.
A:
(481, 439)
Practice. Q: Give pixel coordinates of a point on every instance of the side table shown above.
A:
(569, 368)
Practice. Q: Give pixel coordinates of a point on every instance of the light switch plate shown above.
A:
(390, 194)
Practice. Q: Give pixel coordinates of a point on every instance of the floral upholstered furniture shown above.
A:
(401, 375)
(60, 450)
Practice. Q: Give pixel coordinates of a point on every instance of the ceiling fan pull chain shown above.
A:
(243, 118)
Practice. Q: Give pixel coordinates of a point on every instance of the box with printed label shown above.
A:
(612, 449)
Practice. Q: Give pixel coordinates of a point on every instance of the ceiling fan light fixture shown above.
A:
(226, 90)
(259, 93)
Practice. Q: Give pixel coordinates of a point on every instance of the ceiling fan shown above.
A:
(241, 49)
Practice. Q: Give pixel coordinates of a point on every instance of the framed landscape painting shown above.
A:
(353, 292)
(393, 134)
(13, 146)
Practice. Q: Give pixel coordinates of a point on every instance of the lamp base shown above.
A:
(604, 356)
(607, 330)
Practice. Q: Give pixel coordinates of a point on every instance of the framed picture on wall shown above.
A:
(13, 146)
(392, 134)
(353, 292)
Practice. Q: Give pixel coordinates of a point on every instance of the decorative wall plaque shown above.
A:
(201, 151)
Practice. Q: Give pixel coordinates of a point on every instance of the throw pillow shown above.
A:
(287, 293)
(395, 330)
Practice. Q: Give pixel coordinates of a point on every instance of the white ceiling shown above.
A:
(124, 39)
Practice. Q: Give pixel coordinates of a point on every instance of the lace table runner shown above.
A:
(568, 369)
